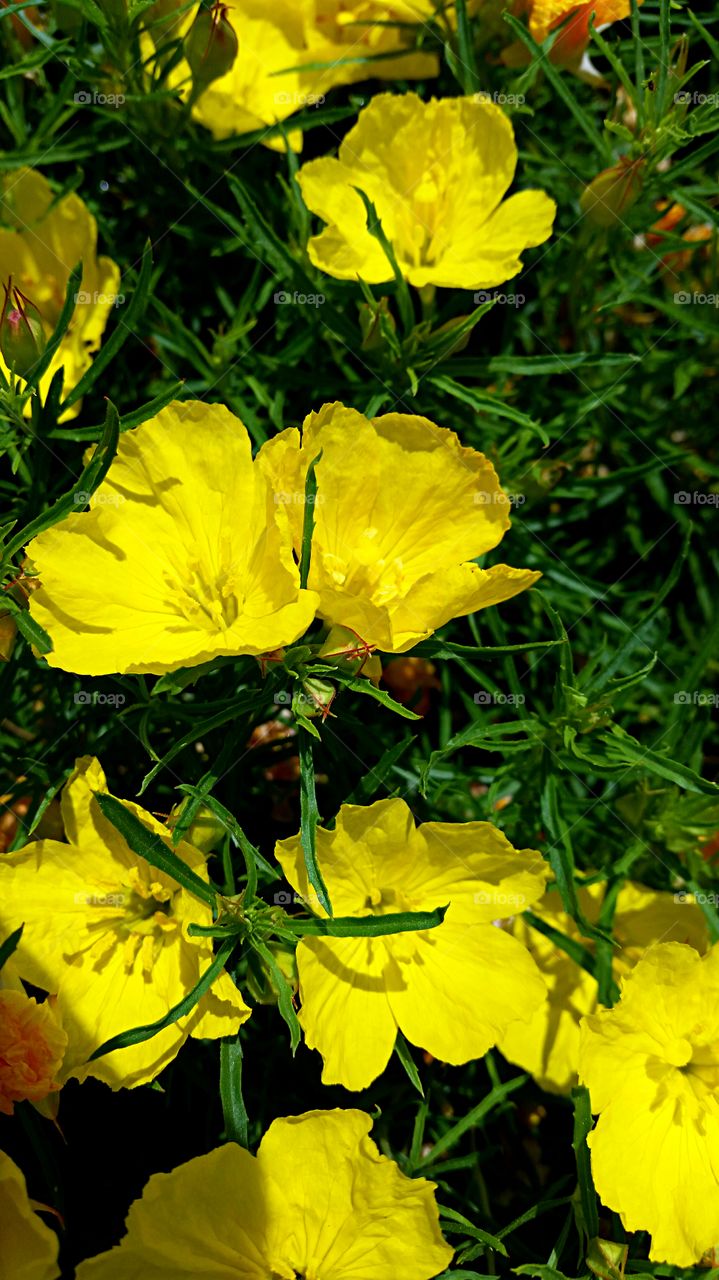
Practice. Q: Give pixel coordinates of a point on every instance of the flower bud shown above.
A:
(350, 652)
(316, 698)
(22, 338)
(205, 831)
(613, 192)
(210, 46)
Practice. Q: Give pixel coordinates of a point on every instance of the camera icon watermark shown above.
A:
(696, 498)
(89, 98)
(488, 499)
(91, 698)
(85, 299)
(298, 100)
(486, 699)
(500, 299)
(100, 499)
(684, 898)
(501, 99)
(696, 698)
(113, 900)
(298, 497)
(684, 98)
(683, 298)
(517, 901)
(284, 299)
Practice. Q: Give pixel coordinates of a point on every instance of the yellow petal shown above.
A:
(181, 558)
(346, 1011)
(29, 1247)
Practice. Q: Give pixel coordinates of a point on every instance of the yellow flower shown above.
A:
(28, 1249)
(40, 243)
(318, 1200)
(108, 934)
(268, 81)
(451, 990)
(32, 1044)
(183, 556)
(437, 173)
(401, 511)
(549, 1046)
(652, 1067)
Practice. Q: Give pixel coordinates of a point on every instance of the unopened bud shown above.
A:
(613, 192)
(205, 831)
(22, 338)
(350, 652)
(316, 698)
(210, 46)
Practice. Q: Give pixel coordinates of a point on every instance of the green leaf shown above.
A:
(404, 1054)
(582, 1127)
(309, 818)
(126, 324)
(139, 1034)
(374, 226)
(471, 1120)
(61, 327)
(27, 626)
(461, 1224)
(146, 844)
(284, 992)
(233, 1103)
(360, 684)
(623, 749)
(92, 476)
(254, 861)
(368, 926)
(10, 945)
(308, 521)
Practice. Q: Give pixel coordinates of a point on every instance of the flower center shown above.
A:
(206, 600)
(147, 920)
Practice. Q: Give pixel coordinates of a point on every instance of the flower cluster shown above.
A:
(191, 554)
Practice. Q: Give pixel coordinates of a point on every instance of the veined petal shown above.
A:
(463, 985)
(346, 1011)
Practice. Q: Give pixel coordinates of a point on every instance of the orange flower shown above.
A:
(32, 1044)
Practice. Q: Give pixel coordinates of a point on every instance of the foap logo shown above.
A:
(82, 497)
(696, 698)
(483, 296)
(486, 699)
(683, 298)
(85, 299)
(297, 497)
(89, 98)
(91, 698)
(695, 498)
(501, 99)
(284, 299)
(488, 499)
(299, 99)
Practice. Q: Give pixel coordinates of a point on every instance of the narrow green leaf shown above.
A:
(234, 1111)
(139, 1034)
(284, 993)
(61, 327)
(10, 945)
(582, 1127)
(404, 1054)
(368, 926)
(153, 849)
(92, 476)
(471, 1120)
(27, 626)
(126, 324)
(375, 228)
(309, 818)
(308, 522)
